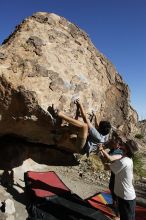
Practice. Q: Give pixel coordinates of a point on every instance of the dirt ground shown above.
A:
(78, 178)
(83, 185)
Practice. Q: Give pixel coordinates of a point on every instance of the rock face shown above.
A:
(48, 60)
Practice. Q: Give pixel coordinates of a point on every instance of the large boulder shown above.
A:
(49, 60)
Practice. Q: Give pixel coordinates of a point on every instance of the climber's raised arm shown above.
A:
(83, 113)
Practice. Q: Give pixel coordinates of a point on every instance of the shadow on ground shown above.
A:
(14, 151)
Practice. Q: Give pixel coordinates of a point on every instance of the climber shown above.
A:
(88, 137)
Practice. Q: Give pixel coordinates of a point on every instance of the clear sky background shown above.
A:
(116, 27)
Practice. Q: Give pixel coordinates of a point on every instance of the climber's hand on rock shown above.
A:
(77, 102)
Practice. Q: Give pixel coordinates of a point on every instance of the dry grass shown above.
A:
(96, 163)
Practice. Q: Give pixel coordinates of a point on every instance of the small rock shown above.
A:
(9, 207)
(143, 179)
(1, 203)
(10, 217)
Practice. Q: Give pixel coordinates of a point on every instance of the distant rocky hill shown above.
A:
(50, 60)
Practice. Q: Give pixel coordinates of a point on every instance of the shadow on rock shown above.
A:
(14, 151)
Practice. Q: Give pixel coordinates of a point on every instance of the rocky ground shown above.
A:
(84, 176)
(78, 178)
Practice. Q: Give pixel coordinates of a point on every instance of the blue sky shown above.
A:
(116, 27)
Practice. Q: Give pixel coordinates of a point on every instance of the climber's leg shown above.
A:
(82, 130)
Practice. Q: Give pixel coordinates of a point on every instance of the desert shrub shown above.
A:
(139, 136)
(138, 165)
(96, 163)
